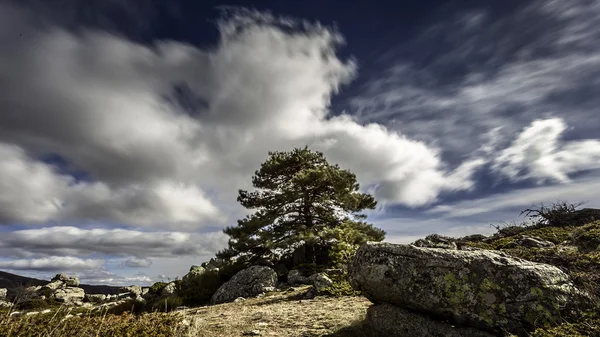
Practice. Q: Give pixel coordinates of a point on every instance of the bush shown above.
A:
(559, 214)
(340, 287)
(157, 287)
(200, 289)
(164, 304)
(130, 306)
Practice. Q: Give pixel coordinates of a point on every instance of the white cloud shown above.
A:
(486, 72)
(62, 240)
(53, 264)
(538, 154)
(582, 190)
(100, 104)
(135, 262)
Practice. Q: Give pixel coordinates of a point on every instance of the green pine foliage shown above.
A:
(301, 199)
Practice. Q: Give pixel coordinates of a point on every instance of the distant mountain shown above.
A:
(12, 281)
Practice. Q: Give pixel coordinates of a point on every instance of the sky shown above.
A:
(128, 127)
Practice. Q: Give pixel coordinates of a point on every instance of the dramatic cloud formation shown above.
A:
(52, 264)
(73, 241)
(131, 154)
(536, 154)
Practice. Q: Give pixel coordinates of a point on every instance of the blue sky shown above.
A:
(127, 127)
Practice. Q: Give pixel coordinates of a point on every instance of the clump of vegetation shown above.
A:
(576, 235)
(340, 287)
(157, 287)
(106, 325)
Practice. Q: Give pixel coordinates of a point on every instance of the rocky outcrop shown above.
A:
(95, 298)
(194, 274)
(169, 289)
(69, 295)
(487, 290)
(530, 242)
(134, 292)
(61, 288)
(249, 282)
(436, 241)
(3, 302)
(66, 280)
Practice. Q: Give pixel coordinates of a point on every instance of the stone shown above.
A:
(5, 304)
(194, 274)
(529, 242)
(54, 285)
(46, 311)
(436, 241)
(484, 289)
(388, 320)
(239, 299)
(295, 277)
(95, 298)
(247, 283)
(133, 291)
(3, 293)
(321, 281)
(169, 289)
(69, 295)
(68, 281)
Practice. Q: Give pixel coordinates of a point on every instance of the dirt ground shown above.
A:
(279, 314)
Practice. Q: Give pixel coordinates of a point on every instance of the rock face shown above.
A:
(530, 242)
(249, 282)
(69, 295)
(194, 273)
(169, 289)
(436, 241)
(95, 298)
(388, 320)
(482, 289)
(133, 291)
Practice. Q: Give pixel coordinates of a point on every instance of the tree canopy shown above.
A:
(301, 200)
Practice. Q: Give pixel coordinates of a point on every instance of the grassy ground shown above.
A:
(280, 315)
(277, 314)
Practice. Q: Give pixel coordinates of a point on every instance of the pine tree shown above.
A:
(301, 201)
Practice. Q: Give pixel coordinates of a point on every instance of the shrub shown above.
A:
(130, 306)
(157, 287)
(164, 304)
(340, 287)
(559, 214)
(200, 289)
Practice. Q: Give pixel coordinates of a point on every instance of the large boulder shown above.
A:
(483, 289)
(54, 285)
(95, 298)
(69, 295)
(3, 292)
(169, 289)
(68, 281)
(133, 291)
(194, 274)
(249, 282)
(388, 320)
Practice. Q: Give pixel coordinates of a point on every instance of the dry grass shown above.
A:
(280, 315)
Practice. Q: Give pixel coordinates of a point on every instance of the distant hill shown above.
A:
(11, 281)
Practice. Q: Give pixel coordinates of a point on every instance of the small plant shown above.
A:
(340, 287)
(559, 214)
